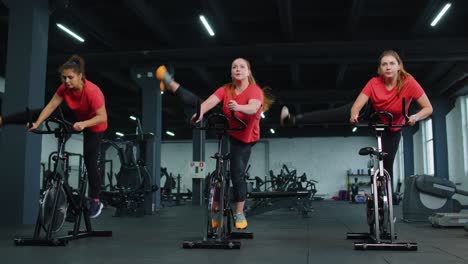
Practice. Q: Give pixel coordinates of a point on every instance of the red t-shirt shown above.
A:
(385, 100)
(252, 132)
(85, 103)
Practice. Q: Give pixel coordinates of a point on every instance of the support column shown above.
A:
(439, 132)
(20, 151)
(151, 122)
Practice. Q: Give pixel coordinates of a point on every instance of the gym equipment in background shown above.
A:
(427, 195)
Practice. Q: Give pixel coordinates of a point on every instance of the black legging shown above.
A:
(239, 153)
(390, 142)
(336, 115)
(91, 144)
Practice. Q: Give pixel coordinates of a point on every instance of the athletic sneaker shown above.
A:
(163, 75)
(215, 219)
(241, 221)
(95, 208)
(285, 118)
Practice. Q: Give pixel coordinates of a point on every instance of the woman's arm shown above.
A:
(360, 102)
(206, 106)
(249, 109)
(426, 110)
(209, 103)
(48, 109)
(101, 116)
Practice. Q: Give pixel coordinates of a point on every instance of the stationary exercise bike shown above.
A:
(57, 198)
(217, 193)
(379, 204)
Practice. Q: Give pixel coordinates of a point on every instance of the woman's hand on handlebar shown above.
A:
(233, 106)
(79, 126)
(354, 119)
(32, 126)
(200, 118)
(412, 121)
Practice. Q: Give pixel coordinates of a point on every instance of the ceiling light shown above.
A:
(272, 130)
(354, 129)
(133, 118)
(71, 33)
(441, 13)
(207, 26)
(119, 134)
(170, 133)
(262, 115)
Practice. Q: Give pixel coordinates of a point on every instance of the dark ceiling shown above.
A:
(316, 55)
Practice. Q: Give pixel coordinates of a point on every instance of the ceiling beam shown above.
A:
(353, 17)
(152, 18)
(286, 18)
(205, 76)
(456, 74)
(340, 75)
(295, 76)
(310, 53)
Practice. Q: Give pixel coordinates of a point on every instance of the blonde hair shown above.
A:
(403, 75)
(268, 97)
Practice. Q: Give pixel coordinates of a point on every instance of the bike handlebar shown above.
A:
(64, 125)
(219, 121)
(376, 122)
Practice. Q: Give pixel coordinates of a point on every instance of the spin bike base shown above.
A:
(60, 241)
(219, 244)
(370, 244)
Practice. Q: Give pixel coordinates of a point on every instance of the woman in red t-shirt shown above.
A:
(386, 92)
(87, 103)
(248, 100)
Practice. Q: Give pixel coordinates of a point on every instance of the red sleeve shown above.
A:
(96, 100)
(367, 90)
(220, 93)
(61, 90)
(257, 94)
(416, 90)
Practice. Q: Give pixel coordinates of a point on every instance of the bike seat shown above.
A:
(371, 151)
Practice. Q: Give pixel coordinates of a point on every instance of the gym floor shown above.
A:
(279, 237)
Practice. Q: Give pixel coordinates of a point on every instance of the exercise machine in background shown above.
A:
(431, 198)
(132, 194)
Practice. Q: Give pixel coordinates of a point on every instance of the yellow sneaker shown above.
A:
(214, 223)
(215, 220)
(163, 75)
(240, 221)
(160, 72)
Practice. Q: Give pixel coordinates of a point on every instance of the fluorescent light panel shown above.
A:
(119, 134)
(71, 33)
(441, 13)
(272, 130)
(133, 118)
(207, 26)
(354, 129)
(170, 133)
(262, 115)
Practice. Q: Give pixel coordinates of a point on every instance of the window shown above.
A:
(399, 166)
(464, 120)
(428, 147)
